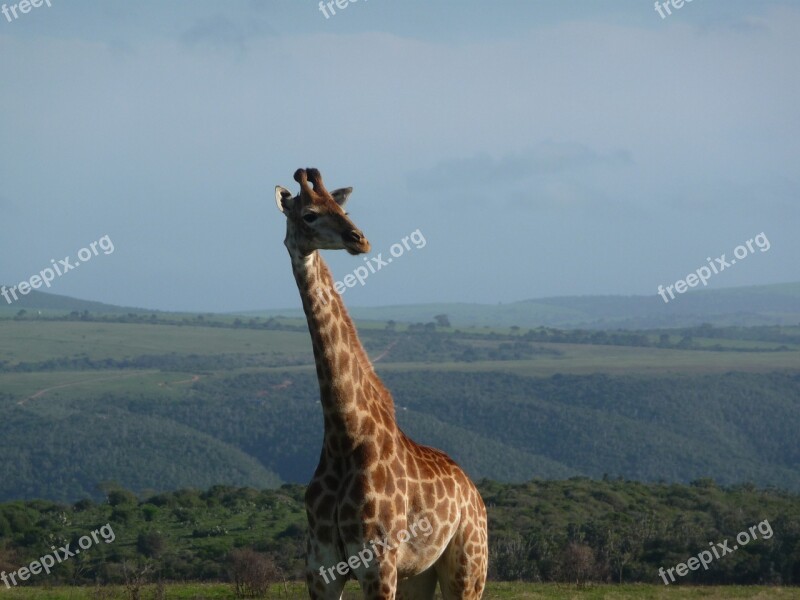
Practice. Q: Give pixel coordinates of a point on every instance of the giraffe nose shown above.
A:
(353, 236)
(355, 242)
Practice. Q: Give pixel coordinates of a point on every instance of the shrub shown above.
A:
(150, 544)
(121, 498)
(251, 572)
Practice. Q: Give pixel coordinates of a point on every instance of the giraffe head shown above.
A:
(315, 218)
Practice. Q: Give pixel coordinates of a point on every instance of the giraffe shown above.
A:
(372, 481)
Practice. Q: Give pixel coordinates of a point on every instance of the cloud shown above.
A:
(743, 25)
(216, 30)
(222, 31)
(545, 159)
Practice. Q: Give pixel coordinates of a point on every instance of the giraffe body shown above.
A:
(373, 483)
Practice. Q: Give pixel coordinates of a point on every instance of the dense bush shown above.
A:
(576, 531)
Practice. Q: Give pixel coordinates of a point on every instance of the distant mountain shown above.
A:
(36, 300)
(777, 304)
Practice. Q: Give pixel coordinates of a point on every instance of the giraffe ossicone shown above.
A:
(372, 480)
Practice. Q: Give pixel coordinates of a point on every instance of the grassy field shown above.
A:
(32, 341)
(576, 359)
(44, 340)
(36, 341)
(581, 359)
(494, 591)
(58, 385)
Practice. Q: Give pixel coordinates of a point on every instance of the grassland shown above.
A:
(494, 591)
(35, 341)
(185, 401)
(175, 380)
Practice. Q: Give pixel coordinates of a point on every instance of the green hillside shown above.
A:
(160, 402)
(65, 454)
(734, 428)
(48, 303)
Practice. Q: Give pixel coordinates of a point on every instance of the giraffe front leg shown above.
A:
(322, 585)
(322, 578)
(378, 580)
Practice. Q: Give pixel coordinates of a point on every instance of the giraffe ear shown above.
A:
(283, 198)
(341, 195)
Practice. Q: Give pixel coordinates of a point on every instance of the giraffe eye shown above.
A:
(310, 217)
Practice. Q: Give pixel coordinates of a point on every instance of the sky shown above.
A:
(566, 147)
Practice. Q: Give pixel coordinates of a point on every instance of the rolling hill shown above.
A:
(57, 303)
(777, 304)
(158, 403)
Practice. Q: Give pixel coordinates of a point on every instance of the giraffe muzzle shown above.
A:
(355, 242)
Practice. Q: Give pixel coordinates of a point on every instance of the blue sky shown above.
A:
(542, 148)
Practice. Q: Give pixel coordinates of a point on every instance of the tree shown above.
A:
(251, 572)
(149, 512)
(136, 575)
(9, 560)
(121, 497)
(442, 320)
(151, 544)
(619, 551)
(578, 563)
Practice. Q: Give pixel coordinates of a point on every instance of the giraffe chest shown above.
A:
(357, 486)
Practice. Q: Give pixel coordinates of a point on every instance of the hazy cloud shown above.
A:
(547, 158)
(217, 30)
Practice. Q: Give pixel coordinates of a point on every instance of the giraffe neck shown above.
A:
(350, 390)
